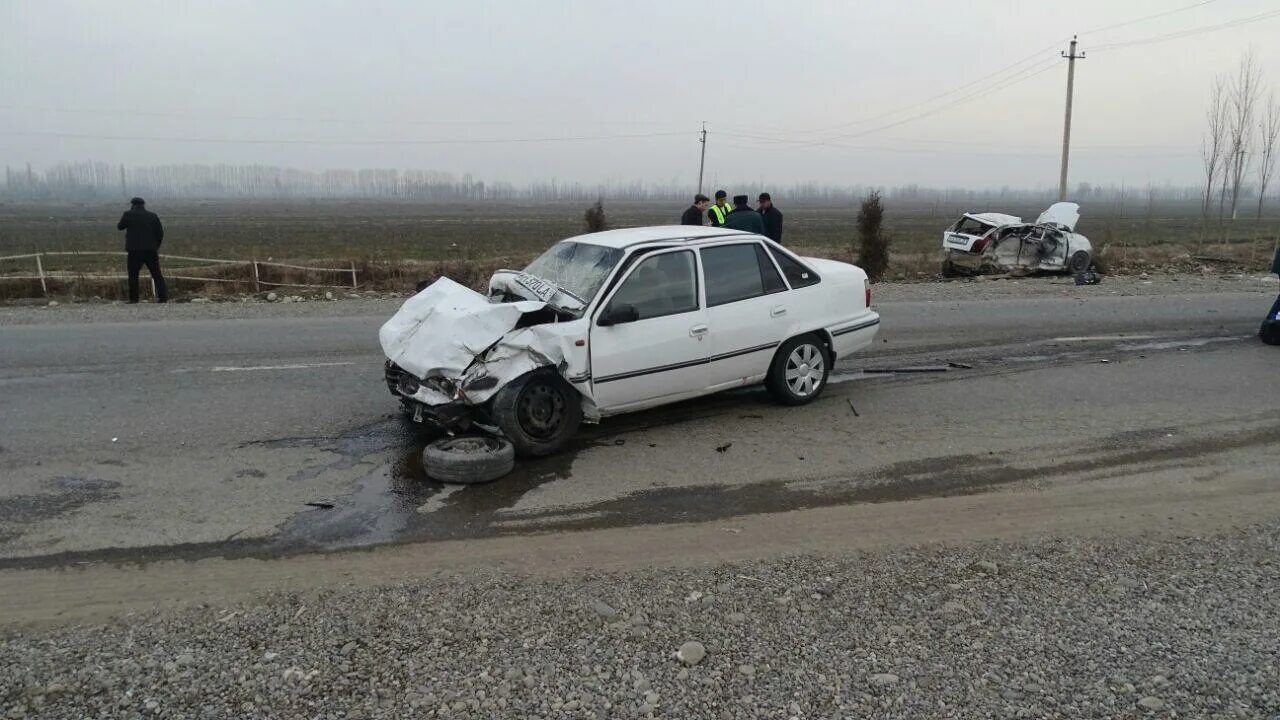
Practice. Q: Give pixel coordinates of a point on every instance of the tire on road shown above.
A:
(1079, 262)
(468, 459)
(539, 412)
(1269, 333)
(800, 370)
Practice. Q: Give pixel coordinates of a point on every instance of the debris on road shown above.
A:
(724, 448)
(893, 371)
(854, 409)
(321, 505)
(958, 366)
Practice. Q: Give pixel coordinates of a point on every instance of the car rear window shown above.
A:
(738, 272)
(798, 275)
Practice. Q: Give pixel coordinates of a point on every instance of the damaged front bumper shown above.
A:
(434, 402)
(450, 350)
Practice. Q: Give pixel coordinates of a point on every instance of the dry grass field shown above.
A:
(395, 244)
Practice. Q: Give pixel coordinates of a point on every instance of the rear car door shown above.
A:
(747, 312)
(661, 355)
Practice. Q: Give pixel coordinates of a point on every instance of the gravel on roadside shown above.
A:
(383, 304)
(1048, 628)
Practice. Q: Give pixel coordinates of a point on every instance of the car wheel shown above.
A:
(473, 459)
(538, 412)
(800, 370)
(1079, 262)
(949, 269)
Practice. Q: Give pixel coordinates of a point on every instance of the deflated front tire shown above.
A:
(538, 412)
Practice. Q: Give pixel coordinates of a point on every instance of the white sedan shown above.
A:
(623, 320)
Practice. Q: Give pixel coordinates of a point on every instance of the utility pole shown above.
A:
(1071, 57)
(703, 162)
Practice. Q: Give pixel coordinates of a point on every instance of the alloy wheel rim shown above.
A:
(805, 370)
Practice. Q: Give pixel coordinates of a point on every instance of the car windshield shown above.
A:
(579, 268)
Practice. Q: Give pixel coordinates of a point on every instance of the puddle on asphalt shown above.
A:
(395, 499)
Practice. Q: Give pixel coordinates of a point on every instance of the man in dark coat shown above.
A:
(143, 234)
(1270, 330)
(772, 217)
(742, 217)
(694, 215)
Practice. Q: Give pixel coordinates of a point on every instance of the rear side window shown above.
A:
(798, 275)
(738, 272)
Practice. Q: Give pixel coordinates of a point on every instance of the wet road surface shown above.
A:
(123, 442)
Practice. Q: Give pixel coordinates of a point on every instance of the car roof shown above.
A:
(996, 219)
(627, 237)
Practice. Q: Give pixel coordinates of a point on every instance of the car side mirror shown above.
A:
(619, 315)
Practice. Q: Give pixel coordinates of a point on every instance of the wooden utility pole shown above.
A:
(703, 162)
(1071, 57)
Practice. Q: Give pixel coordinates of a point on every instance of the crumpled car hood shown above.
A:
(453, 332)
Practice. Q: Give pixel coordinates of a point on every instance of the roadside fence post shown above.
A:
(44, 288)
(354, 284)
(257, 285)
(153, 288)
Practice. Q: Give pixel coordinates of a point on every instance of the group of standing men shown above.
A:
(765, 220)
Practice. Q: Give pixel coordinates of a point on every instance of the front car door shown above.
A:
(660, 356)
(747, 312)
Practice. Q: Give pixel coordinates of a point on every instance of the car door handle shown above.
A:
(698, 330)
(778, 311)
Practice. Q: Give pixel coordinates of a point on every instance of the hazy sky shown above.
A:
(401, 77)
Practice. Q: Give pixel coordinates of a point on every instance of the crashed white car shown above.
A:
(623, 320)
(995, 242)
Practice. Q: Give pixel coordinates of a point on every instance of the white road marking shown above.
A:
(298, 366)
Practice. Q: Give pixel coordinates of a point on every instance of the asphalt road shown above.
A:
(193, 438)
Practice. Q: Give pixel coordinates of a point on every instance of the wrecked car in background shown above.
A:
(995, 242)
(618, 321)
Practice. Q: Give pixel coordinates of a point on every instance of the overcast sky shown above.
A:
(401, 77)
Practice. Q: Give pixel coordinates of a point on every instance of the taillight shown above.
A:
(980, 245)
(868, 295)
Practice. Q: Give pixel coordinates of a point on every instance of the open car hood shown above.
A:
(1064, 215)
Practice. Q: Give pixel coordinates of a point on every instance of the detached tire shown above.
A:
(467, 460)
(1079, 262)
(799, 371)
(539, 412)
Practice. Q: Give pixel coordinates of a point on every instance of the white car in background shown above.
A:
(995, 242)
(623, 320)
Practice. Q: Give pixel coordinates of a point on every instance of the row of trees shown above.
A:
(1240, 139)
(90, 181)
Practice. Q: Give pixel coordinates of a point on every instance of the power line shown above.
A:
(1022, 76)
(1189, 32)
(294, 141)
(1135, 21)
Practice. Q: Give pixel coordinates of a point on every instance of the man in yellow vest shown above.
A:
(720, 210)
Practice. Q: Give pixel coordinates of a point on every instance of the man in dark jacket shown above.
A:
(742, 217)
(1270, 330)
(143, 234)
(772, 217)
(693, 216)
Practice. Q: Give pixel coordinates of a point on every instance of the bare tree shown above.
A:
(1243, 98)
(1267, 147)
(1214, 143)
